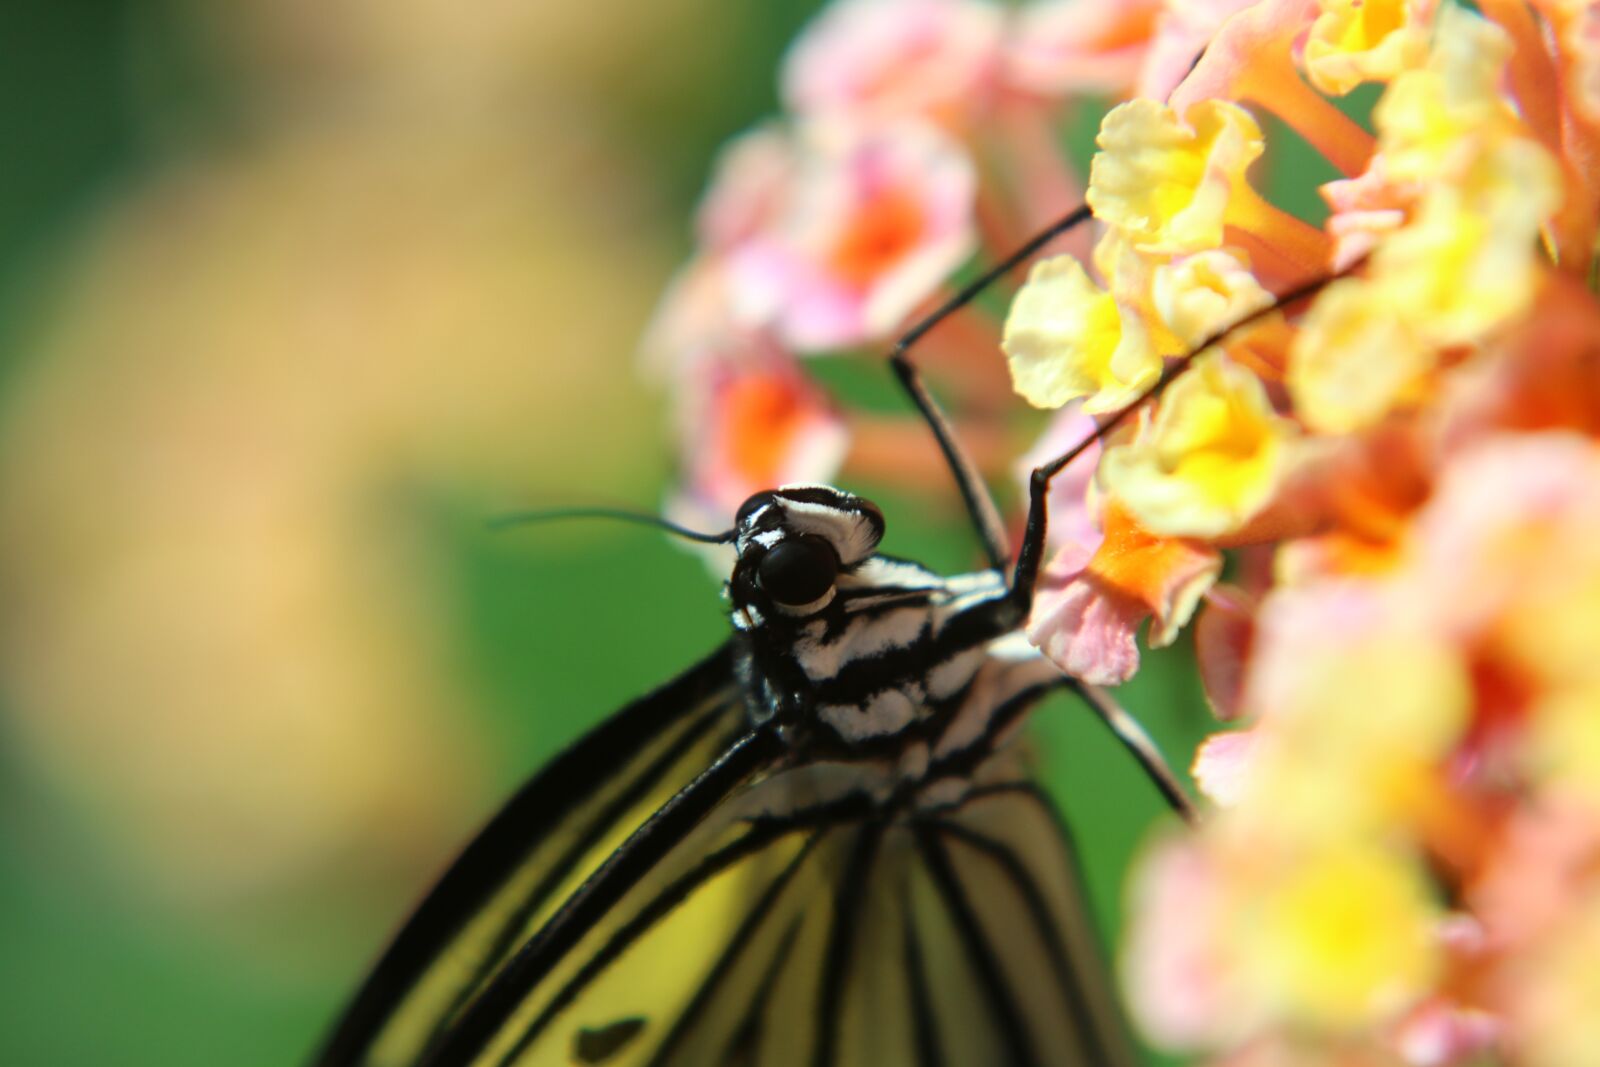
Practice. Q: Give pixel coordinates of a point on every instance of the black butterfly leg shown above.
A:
(980, 504)
(986, 516)
(974, 492)
(1126, 728)
(1031, 555)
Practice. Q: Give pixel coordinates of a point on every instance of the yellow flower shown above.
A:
(1209, 460)
(1182, 299)
(1468, 260)
(1354, 358)
(1434, 120)
(1353, 730)
(1355, 41)
(1172, 183)
(1465, 263)
(1198, 295)
(1128, 273)
(1563, 742)
(1067, 338)
(1340, 937)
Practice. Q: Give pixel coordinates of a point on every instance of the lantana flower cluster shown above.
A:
(919, 136)
(1377, 507)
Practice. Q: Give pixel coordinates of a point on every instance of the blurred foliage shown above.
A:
(116, 118)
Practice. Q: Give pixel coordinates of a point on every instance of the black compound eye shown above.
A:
(750, 506)
(798, 572)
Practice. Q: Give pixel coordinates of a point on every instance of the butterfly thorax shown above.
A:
(860, 657)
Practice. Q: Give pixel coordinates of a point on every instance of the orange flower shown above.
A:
(753, 423)
(1089, 606)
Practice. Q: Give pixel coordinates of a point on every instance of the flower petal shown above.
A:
(1082, 627)
(876, 60)
(1167, 180)
(1355, 41)
(877, 219)
(1210, 459)
(1066, 339)
(1355, 358)
(1222, 766)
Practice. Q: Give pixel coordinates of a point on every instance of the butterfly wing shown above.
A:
(656, 898)
(830, 933)
(531, 858)
(1008, 949)
(953, 937)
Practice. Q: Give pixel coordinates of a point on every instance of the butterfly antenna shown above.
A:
(531, 518)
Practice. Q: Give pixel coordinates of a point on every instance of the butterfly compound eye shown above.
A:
(798, 572)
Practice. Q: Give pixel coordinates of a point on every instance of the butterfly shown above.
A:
(818, 845)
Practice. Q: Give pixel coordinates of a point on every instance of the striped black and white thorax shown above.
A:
(912, 678)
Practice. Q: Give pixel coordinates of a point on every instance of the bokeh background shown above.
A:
(294, 296)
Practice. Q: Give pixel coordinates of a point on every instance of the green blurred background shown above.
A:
(292, 297)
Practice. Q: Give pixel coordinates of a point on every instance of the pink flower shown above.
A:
(1295, 624)
(694, 317)
(1438, 1033)
(749, 186)
(886, 59)
(1223, 637)
(754, 422)
(1182, 33)
(1081, 46)
(1505, 511)
(877, 219)
(1088, 631)
(1365, 210)
(1072, 518)
(698, 314)
(1087, 627)
(1071, 621)
(1545, 865)
(1222, 766)
(1175, 968)
(1091, 602)
(1540, 903)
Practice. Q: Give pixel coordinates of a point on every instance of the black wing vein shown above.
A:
(998, 997)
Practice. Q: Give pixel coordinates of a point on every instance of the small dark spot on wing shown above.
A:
(597, 1044)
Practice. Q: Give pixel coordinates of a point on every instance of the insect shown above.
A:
(815, 846)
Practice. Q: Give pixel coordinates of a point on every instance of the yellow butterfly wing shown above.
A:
(530, 859)
(664, 895)
(838, 934)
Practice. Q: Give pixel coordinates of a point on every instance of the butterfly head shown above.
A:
(794, 542)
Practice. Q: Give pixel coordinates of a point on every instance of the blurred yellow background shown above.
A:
(294, 296)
